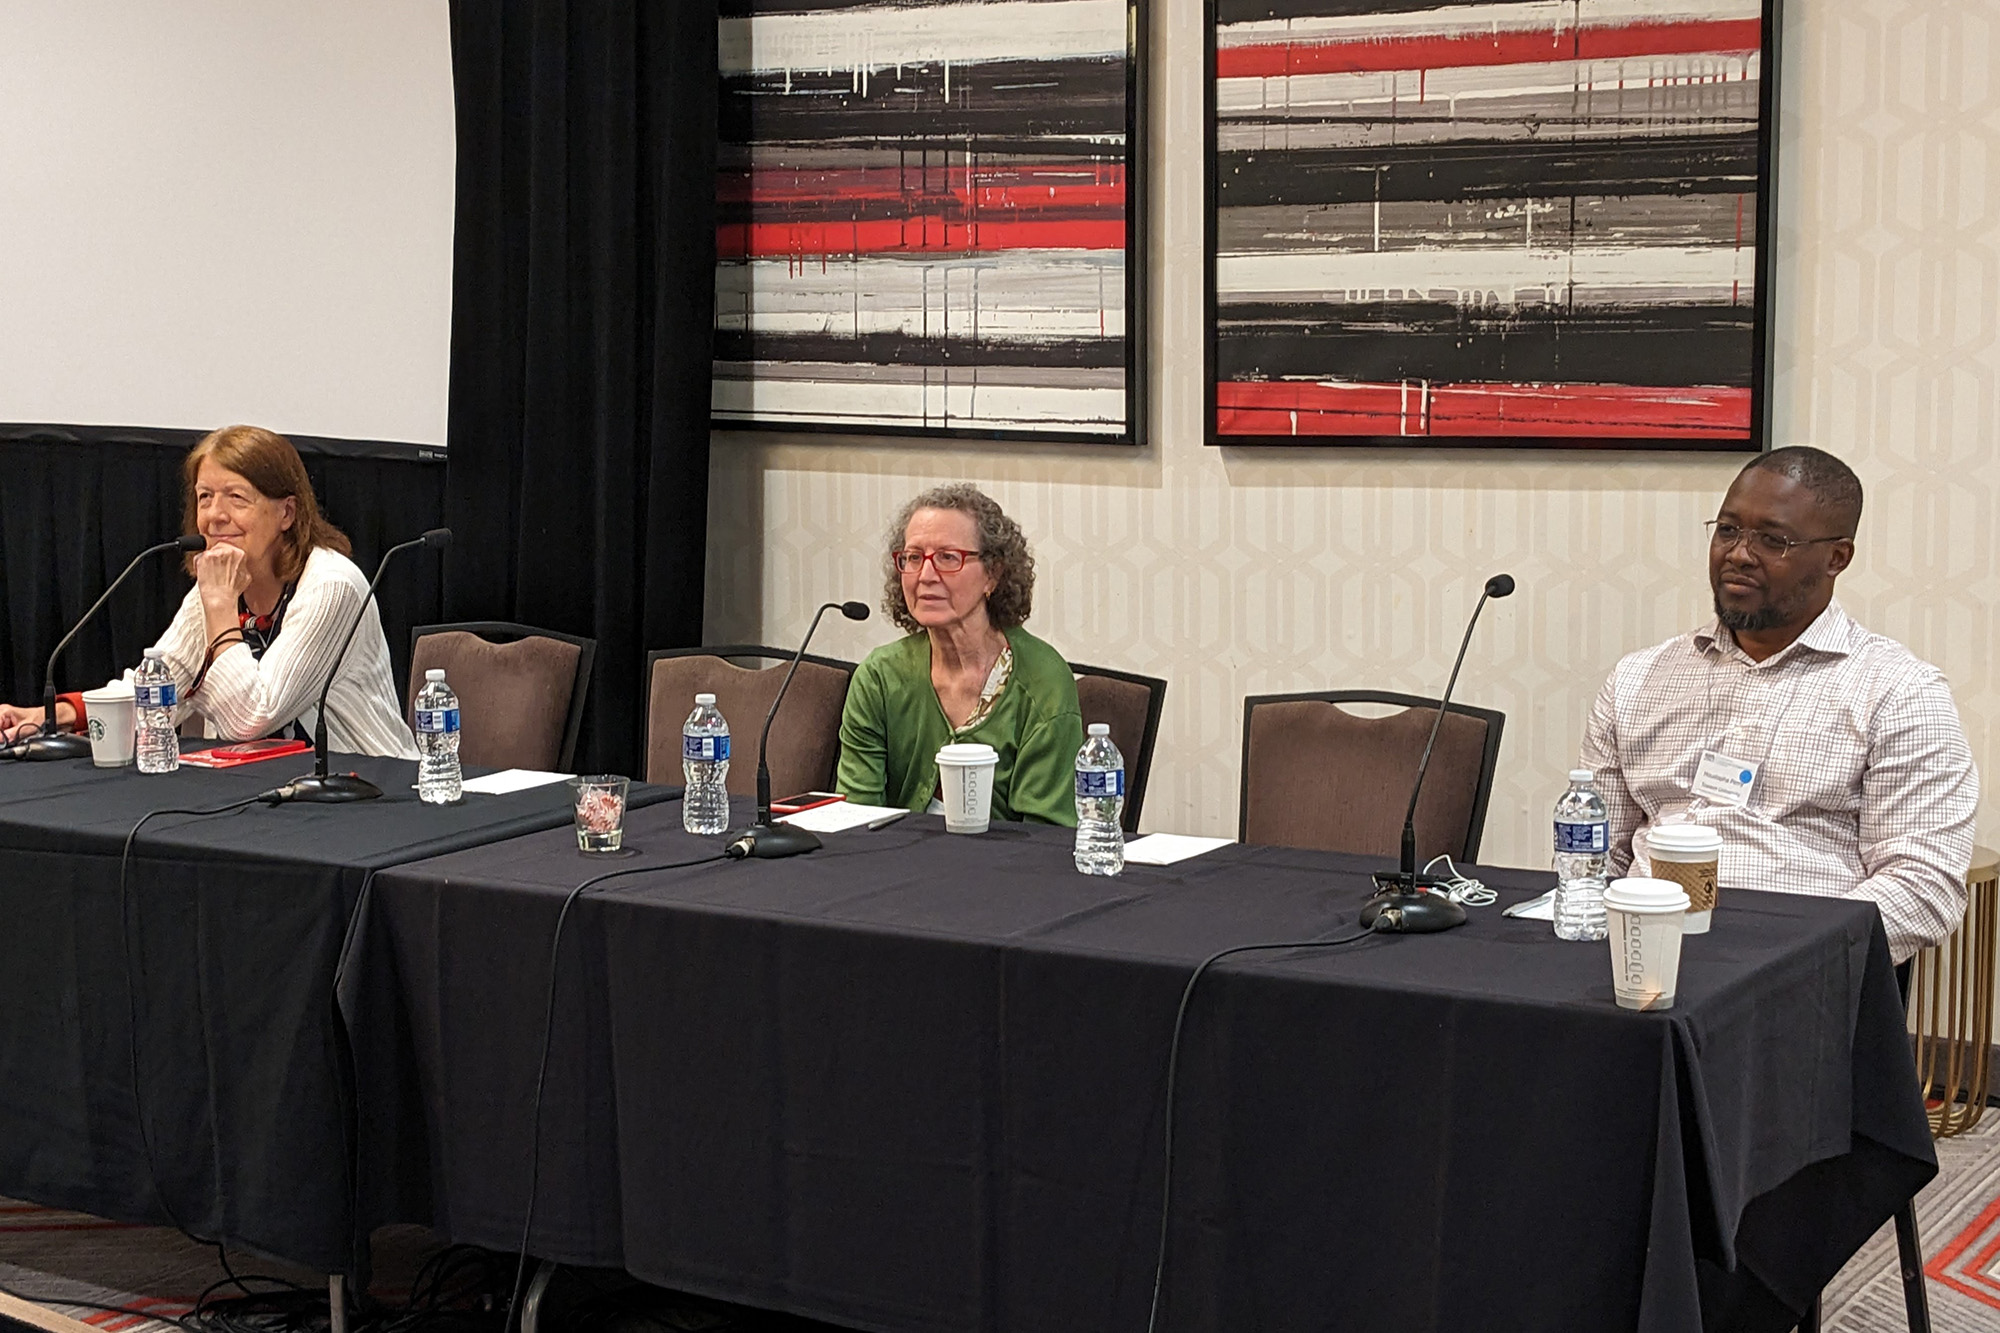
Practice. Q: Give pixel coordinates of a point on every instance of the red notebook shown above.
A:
(249, 752)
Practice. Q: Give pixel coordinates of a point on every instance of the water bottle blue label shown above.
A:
(1095, 784)
(705, 749)
(156, 696)
(1587, 839)
(437, 721)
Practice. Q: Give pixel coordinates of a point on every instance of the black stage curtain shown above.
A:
(583, 301)
(78, 502)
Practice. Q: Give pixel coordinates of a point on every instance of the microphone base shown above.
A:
(42, 749)
(770, 842)
(1401, 909)
(333, 789)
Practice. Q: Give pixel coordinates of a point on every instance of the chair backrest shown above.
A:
(805, 739)
(1131, 706)
(1316, 775)
(520, 689)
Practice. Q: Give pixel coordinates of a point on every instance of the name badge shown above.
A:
(1724, 780)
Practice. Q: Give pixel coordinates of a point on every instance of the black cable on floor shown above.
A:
(542, 1075)
(1173, 1071)
(231, 1278)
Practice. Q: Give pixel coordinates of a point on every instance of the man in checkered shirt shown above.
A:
(1837, 766)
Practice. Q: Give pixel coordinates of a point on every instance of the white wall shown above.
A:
(1244, 571)
(227, 210)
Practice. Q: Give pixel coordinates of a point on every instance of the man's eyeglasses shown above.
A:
(948, 560)
(1773, 544)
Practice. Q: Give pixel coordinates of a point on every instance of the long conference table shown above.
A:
(916, 1081)
(208, 974)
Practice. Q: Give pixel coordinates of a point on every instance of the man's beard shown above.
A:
(1770, 616)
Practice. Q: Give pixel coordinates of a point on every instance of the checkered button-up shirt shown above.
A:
(1865, 786)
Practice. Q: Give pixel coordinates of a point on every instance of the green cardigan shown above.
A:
(893, 726)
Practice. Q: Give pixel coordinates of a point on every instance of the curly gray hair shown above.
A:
(1002, 549)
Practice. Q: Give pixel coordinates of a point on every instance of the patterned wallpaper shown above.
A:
(1239, 571)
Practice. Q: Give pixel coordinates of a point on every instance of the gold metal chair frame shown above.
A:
(1951, 1005)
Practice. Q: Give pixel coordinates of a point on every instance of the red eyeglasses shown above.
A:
(947, 560)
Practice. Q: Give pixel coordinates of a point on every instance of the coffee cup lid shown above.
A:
(968, 752)
(109, 692)
(1683, 838)
(1646, 895)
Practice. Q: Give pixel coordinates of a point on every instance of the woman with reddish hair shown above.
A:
(273, 595)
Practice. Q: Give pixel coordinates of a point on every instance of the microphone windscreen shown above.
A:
(1500, 585)
(854, 610)
(438, 538)
(194, 541)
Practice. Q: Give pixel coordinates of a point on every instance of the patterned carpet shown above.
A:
(1958, 1217)
(55, 1257)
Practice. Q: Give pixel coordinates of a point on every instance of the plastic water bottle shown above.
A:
(705, 767)
(154, 694)
(1100, 800)
(439, 781)
(1583, 839)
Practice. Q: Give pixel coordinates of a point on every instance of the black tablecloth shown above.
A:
(915, 1081)
(236, 924)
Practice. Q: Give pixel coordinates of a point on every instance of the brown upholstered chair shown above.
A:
(520, 689)
(1131, 706)
(1316, 775)
(805, 739)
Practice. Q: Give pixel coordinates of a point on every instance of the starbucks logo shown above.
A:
(96, 729)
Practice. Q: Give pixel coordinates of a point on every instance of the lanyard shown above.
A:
(260, 632)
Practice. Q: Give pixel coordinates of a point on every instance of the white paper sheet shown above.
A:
(1163, 849)
(840, 816)
(513, 779)
(1535, 909)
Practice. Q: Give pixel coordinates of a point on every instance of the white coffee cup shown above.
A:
(965, 775)
(1687, 854)
(1645, 916)
(112, 722)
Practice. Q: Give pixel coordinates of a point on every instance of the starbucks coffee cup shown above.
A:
(112, 721)
(1645, 916)
(965, 777)
(1688, 855)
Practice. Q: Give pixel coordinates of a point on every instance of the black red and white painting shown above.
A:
(1510, 222)
(925, 214)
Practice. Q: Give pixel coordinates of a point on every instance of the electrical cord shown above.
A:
(232, 1279)
(17, 744)
(1462, 888)
(542, 1074)
(283, 1310)
(432, 1302)
(1173, 1071)
(132, 1000)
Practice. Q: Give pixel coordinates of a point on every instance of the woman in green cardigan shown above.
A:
(961, 581)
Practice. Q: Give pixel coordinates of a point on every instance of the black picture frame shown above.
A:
(1135, 297)
(1757, 437)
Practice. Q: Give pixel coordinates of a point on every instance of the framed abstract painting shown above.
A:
(1492, 223)
(928, 218)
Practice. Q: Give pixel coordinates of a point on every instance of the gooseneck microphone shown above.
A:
(1405, 903)
(48, 743)
(766, 839)
(321, 787)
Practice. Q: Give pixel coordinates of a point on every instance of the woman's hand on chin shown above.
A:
(222, 572)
